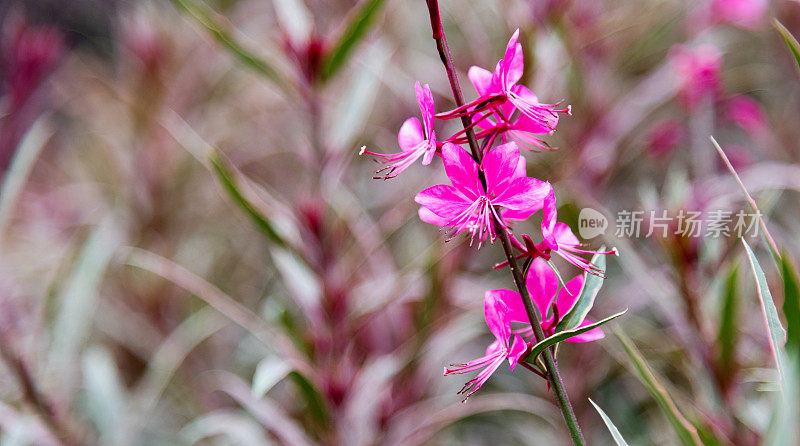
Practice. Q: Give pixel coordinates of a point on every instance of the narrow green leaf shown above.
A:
(685, 430)
(728, 326)
(566, 334)
(794, 46)
(316, 404)
(230, 185)
(777, 334)
(356, 28)
(791, 304)
(208, 19)
(591, 286)
(610, 425)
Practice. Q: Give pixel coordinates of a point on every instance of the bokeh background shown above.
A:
(192, 251)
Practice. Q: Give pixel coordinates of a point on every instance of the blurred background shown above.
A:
(192, 251)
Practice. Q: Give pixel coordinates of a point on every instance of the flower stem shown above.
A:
(549, 361)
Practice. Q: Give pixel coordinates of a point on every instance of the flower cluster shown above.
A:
(489, 189)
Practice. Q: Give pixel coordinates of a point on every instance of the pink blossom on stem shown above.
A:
(664, 137)
(496, 314)
(416, 140)
(699, 73)
(469, 206)
(500, 87)
(542, 284)
(559, 239)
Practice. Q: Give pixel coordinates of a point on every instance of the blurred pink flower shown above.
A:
(30, 52)
(501, 86)
(559, 239)
(745, 13)
(699, 73)
(416, 140)
(664, 137)
(542, 284)
(496, 314)
(467, 205)
(748, 114)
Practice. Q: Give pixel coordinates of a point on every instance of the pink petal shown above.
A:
(511, 64)
(425, 101)
(564, 236)
(591, 335)
(462, 170)
(442, 200)
(499, 166)
(518, 348)
(496, 314)
(481, 79)
(410, 134)
(542, 284)
(512, 301)
(569, 295)
(524, 194)
(549, 220)
(428, 216)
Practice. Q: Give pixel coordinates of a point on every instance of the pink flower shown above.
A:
(699, 72)
(501, 87)
(542, 284)
(744, 13)
(416, 140)
(745, 112)
(559, 239)
(496, 314)
(469, 206)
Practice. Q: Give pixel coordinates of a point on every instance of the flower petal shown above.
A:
(442, 200)
(542, 285)
(500, 166)
(410, 134)
(481, 79)
(513, 303)
(496, 312)
(518, 348)
(425, 101)
(564, 236)
(569, 295)
(524, 194)
(549, 220)
(462, 170)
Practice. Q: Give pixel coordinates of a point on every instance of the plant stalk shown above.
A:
(534, 318)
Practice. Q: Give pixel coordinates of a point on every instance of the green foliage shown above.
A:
(685, 430)
(566, 334)
(728, 326)
(591, 286)
(794, 46)
(791, 304)
(356, 29)
(610, 425)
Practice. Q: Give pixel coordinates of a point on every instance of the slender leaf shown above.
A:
(356, 29)
(316, 407)
(238, 426)
(794, 46)
(610, 425)
(685, 430)
(209, 20)
(777, 334)
(566, 334)
(294, 18)
(105, 392)
(791, 304)
(728, 326)
(230, 185)
(591, 286)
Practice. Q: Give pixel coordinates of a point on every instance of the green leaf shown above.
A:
(610, 425)
(208, 19)
(356, 29)
(685, 430)
(777, 334)
(566, 334)
(316, 407)
(728, 326)
(231, 186)
(794, 46)
(791, 304)
(591, 286)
